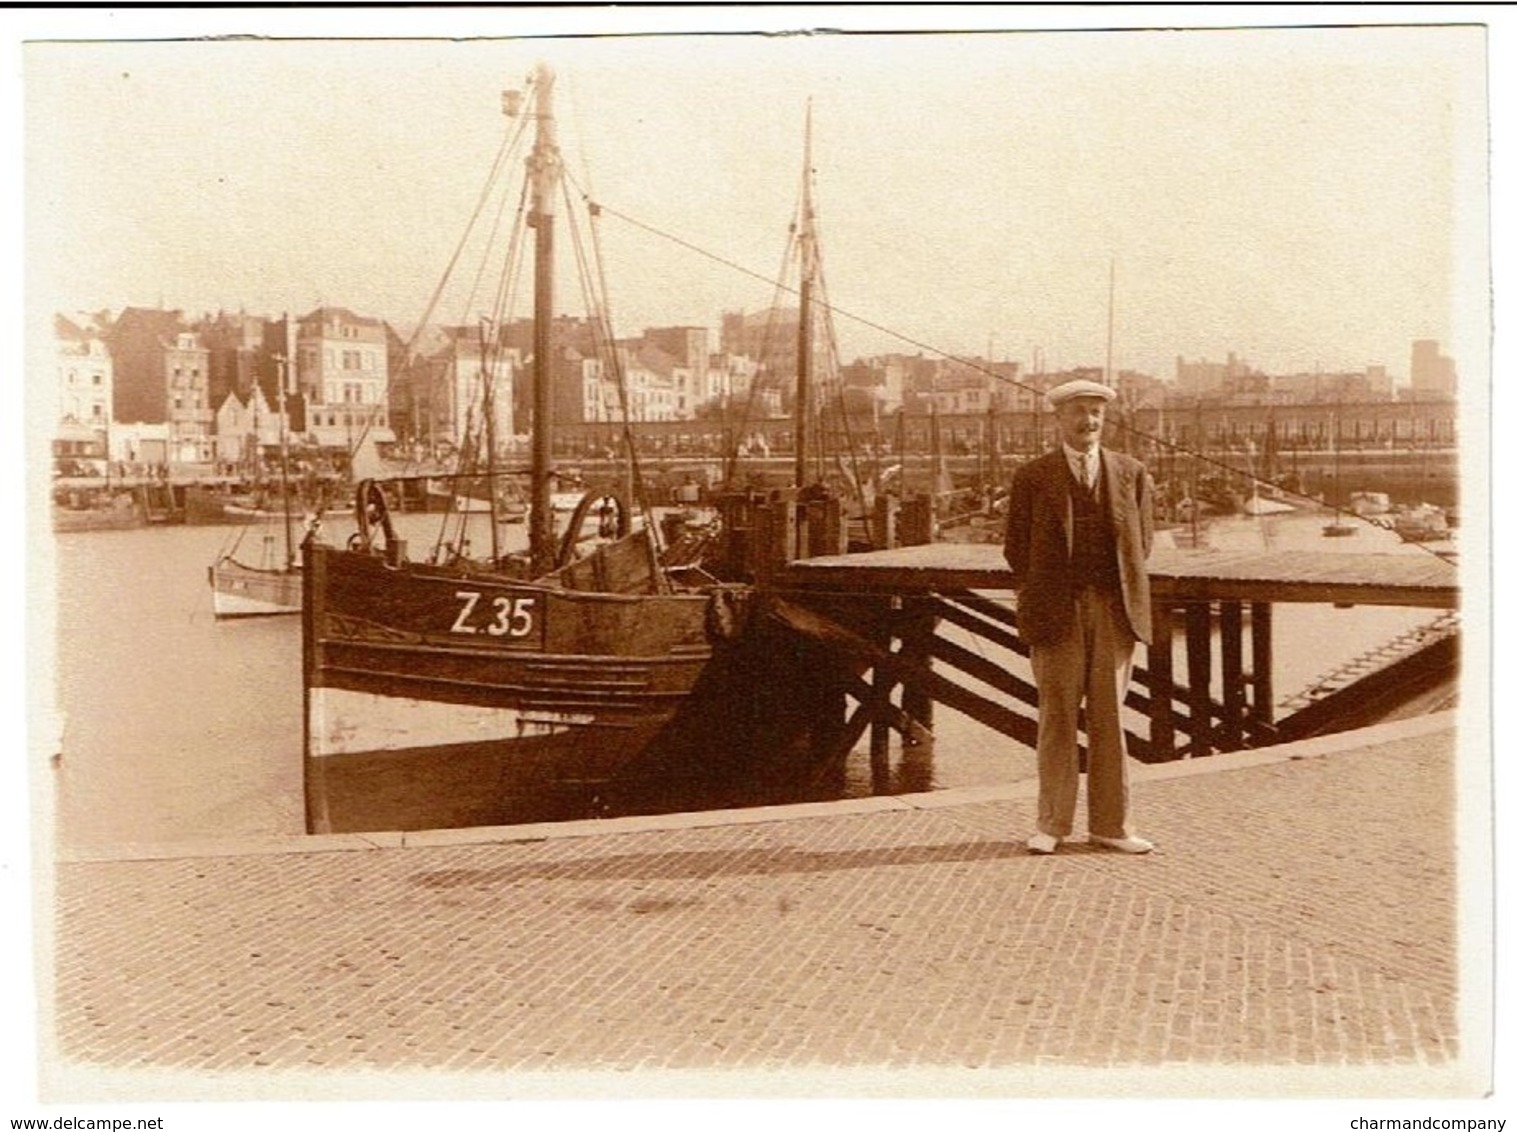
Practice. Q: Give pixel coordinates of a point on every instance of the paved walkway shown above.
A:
(1296, 931)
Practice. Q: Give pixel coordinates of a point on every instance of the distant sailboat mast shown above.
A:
(284, 464)
(1111, 308)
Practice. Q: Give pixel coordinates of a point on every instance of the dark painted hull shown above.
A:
(436, 698)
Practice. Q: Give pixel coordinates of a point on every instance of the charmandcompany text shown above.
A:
(1391, 1125)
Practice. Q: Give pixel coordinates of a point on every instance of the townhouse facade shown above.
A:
(342, 376)
(84, 377)
(162, 377)
(247, 428)
(441, 397)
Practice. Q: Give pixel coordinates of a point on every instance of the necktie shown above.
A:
(1088, 470)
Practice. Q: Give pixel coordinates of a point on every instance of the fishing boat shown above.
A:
(272, 585)
(239, 589)
(473, 494)
(1265, 504)
(96, 511)
(1339, 526)
(1364, 503)
(457, 688)
(1265, 496)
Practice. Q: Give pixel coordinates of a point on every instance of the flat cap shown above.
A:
(1080, 388)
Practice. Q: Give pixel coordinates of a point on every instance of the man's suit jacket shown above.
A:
(1040, 542)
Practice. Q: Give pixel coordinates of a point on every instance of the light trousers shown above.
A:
(1091, 664)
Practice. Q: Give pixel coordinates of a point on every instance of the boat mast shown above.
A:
(544, 168)
(1111, 316)
(284, 465)
(807, 238)
(487, 398)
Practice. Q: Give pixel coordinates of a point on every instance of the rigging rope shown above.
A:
(1120, 426)
(598, 305)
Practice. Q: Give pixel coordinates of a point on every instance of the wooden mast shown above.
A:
(807, 240)
(487, 399)
(284, 464)
(544, 169)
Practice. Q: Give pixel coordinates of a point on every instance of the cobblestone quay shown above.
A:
(1296, 932)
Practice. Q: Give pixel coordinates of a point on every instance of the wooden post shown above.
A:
(1198, 674)
(883, 532)
(824, 533)
(916, 642)
(737, 514)
(803, 531)
(789, 545)
(1230, 735)
(775, 528)
(915, 527)
(1161, 686)
(879, 726)
(1261, 625)
(760, 552)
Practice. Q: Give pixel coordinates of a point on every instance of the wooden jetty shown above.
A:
(885, 609)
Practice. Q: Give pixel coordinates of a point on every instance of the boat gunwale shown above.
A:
(427, 571)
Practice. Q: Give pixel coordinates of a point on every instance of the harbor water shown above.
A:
(174, 726)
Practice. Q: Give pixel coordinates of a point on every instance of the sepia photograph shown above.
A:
(758, 554)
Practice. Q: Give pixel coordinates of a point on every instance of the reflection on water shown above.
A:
(177, 726)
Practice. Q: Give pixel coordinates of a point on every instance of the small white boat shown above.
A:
(239, 590)
(1369, 503)
(274, 585)
(1425, 522)
(1260, 505)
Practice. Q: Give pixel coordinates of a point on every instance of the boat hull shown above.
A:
(439, 699)
(97, 519)
(246, 591)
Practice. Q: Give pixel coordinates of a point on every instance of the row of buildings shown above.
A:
(1433, 378)
(152, 387)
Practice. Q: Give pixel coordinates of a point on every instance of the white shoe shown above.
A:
(1043, 843)
(1131, 844)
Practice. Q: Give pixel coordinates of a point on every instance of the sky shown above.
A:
(1305, 198)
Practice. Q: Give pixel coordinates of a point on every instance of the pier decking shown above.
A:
(1422, 580)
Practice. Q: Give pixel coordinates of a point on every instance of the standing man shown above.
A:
(1079, 527)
